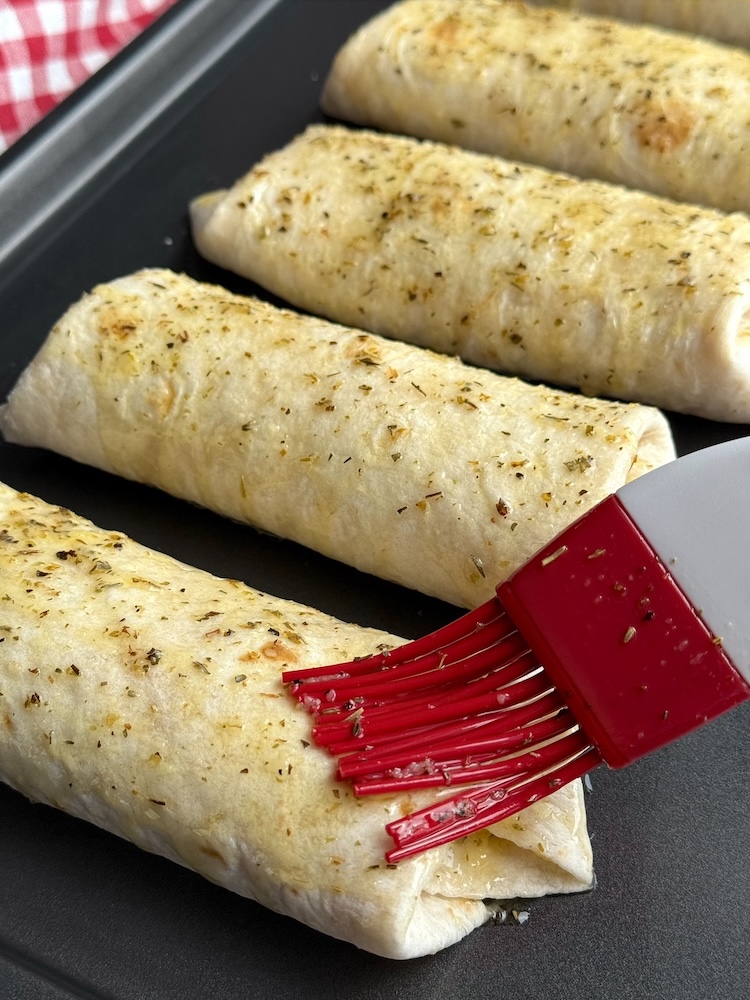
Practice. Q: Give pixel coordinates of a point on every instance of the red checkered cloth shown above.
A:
(49, 47)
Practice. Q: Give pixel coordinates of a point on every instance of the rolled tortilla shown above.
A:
(143, 695)
(727, 21)
(403, 463)
(635, 105)
(510, 266)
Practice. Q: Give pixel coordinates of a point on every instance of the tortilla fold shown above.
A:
(510, 266)
(403, 463)
(144, 696)
(631, 104)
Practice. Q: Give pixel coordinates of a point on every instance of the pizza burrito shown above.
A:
(726, 20)
(144, 695)
(630, 104)
(513, 267)
(403, 463)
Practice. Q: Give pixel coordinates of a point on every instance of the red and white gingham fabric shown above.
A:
(49, 47)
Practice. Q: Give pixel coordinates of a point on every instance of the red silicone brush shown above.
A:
(638, 613)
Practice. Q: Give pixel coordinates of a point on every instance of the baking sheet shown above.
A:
(99, 189)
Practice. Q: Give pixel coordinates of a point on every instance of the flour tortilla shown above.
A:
(512, 267)
(403, 463)
(727, 21)
(629, 104)
(143, 695)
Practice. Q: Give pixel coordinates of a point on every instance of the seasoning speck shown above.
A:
(554, 555)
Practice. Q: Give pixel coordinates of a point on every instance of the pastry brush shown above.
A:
(628, 630)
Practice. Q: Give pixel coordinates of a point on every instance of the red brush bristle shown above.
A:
(467, 705)
(484, 805)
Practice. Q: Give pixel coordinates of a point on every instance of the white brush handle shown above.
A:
(695, 513)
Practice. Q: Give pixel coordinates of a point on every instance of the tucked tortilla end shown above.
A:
(339, 97)
(655, 446)
(334, 100)
(201, 211)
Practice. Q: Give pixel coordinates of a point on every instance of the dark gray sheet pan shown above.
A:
(98, 189)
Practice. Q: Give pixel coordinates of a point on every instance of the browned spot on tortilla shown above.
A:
(249, 656)
(406, 805)
(113, 322)
(445, 31)
(364, 350)
(162, 398)
(211, 852)
(663, 125)
(8, 723)
(279, 651)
